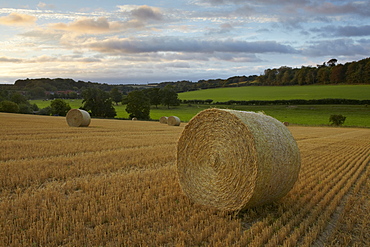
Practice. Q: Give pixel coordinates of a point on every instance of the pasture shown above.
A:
(115, 183)
(359, 92)
(357, 115)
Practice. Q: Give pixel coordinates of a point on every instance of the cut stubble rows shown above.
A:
(115, 183)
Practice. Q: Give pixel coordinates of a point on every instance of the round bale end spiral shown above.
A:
(233, 160)
(78, 118)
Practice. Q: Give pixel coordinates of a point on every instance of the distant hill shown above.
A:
(357, 72)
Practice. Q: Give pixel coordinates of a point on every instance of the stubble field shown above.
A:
(115, 184)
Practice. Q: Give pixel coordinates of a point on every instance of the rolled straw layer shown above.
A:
(163, 120)
(173, 121)
(233, 160)
(78, 118)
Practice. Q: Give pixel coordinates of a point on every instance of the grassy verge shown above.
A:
(313, 115)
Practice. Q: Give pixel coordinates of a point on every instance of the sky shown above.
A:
(135, 41)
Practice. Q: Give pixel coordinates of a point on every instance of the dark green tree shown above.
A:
(332, 62)
(45, 111)
(154, 95)
(116, 95)
(37, 92)
(98, 102)
(59, 107)
(9, 106)
(169, 96)
(18, 98)
(337, 74)
(323, 75)
(337, 120)
(138, 105)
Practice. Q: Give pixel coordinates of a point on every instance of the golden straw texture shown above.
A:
(233, 160)
(78, 118)
(163, 120)
(173, 121)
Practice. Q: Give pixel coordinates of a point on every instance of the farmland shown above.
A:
(359, 92)
(357, 115)
(115, 184)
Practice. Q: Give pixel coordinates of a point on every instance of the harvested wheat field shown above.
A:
(115, 183)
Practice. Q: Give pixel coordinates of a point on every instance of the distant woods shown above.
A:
(329, 72)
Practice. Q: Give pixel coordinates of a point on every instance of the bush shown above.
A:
(25, 108)
(9, 106)
(337, 120)
(59, 107)
(45, 111)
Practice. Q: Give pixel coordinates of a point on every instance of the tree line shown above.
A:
(328, 73)
(356, 72)
(97, 102)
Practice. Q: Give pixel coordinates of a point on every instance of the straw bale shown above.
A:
(233, 160)
(173, 121)
(134, 119)
(286, 123)
(163, 120)
(78, 118)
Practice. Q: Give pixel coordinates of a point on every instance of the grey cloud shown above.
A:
(10, 60)
(354, 31)
(170, 44)
(146, 13)
(343, 31)
(223, 28)
(278, 2)
(339, 47)
(343, 7)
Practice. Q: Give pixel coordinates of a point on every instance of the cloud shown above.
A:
(10, 60)
(146, 13)
(17, 19)
(344, 31)
(51, 59)
(137, 17)
(171, 44)
(42, 5)
(348, 7)
(338, 47)
(89, 26)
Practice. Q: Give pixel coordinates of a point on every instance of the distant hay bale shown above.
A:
(134, 119)
(78, 118)
(173, 121)
(163, 120)
(233, 160)
(286, 123)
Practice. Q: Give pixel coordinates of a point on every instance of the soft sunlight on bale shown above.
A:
(78, 118)
(134, 119)
(173, 121)
(233, 160)
(163, 120)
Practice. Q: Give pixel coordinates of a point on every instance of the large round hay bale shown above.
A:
(234, 160)
(78, 118)
(163, 120)
(173, 121)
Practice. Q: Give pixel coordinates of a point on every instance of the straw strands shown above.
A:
(163, 120)
(233, 160)
(173, 121)
(78, 118)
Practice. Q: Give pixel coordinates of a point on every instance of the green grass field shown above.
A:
(359, 92)
(315, 115)
(357, 115)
